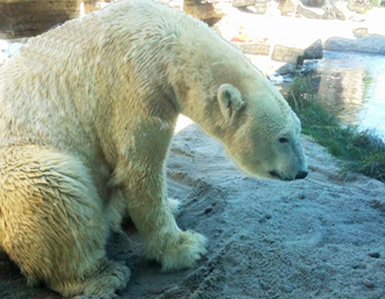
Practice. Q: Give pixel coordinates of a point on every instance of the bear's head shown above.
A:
(219, 88)
(260, 131)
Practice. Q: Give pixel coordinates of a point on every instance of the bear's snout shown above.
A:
(301, 175)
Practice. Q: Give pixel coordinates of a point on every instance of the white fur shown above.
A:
(87, 113)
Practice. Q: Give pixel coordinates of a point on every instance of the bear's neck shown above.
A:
(196, 74)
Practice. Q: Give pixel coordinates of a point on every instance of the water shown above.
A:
(353, 85)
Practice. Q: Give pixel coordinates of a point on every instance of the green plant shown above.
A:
(377, 3)
(361, 151)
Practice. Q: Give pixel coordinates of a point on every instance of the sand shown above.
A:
(322, 237)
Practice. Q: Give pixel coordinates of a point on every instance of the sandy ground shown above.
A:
(322, 237)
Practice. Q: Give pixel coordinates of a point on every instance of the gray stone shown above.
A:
(288, 54)
(288, 7)
(257, 48)
(340, 15)
(368, 284)
(27, 18)
(375, 255)
(314, 51)
(337, 9)
(361, 32)
(287, 68)
(310, 13)
(373, 44)
(287, 289)
(360, 6)
(243, 3)
(260, 7)
(313, 3)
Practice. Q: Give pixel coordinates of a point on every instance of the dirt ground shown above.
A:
(322, 237)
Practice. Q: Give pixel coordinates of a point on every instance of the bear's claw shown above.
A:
(175, 206)
(184, 253)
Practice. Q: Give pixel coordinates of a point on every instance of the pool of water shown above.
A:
(353, 85)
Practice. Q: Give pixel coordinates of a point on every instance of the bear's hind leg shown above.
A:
(52, 223)
(104, 279)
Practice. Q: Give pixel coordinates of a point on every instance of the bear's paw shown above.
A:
(108, 278)
(189, 247)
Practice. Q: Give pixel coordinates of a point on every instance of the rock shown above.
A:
(203, 10)
(288, 54)
(373, 44)
(287, 68)
(359, 266)
(287, 289)
(368, 284)
(208, 210)
(301, 195)
(276, 79)
(338, 9)
(361, 32)
(261, 6)
(288, 7)
(257, 48)
(263, 220)
(360, 6)
(375, 255)
(243, 3)
(27, 18)
(310, 13)
(90, 6)
(340, 14)
(314, 51)
(313, 3)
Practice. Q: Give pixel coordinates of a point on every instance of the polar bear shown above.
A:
(87, 114)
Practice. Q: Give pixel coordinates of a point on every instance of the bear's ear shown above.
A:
(230, 101)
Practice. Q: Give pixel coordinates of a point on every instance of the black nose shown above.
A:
(301, 175)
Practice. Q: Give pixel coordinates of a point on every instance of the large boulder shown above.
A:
(32, 17)
(373, 44)
(206, 11)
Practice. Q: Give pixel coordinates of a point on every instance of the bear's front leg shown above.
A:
(152, 215)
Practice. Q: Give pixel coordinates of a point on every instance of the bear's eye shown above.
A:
(283, 140)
